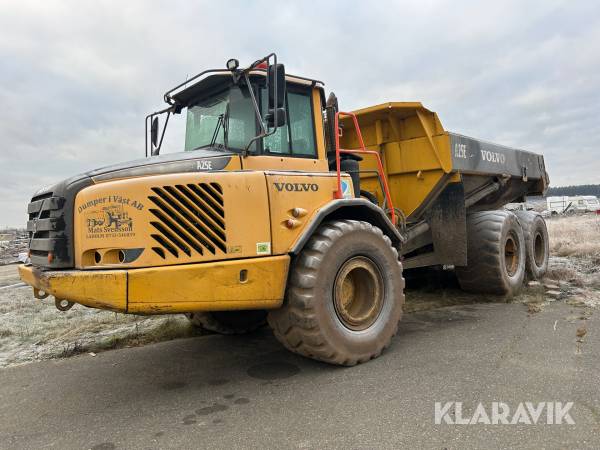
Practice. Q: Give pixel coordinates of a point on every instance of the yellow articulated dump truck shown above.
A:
(285, 210)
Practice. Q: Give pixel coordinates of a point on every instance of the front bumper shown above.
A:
(217, 286)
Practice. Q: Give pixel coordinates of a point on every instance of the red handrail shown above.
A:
(338, 194)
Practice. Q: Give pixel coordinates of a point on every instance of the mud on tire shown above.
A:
(536, 243)
(344, 296)
(229, 322)
(495, 254)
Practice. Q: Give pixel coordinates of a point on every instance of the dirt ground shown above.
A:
(31, 329)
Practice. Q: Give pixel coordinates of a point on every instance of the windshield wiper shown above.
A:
(216, 132)
(226, 126)
(223, 121)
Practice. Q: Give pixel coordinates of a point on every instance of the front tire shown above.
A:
(344, 297)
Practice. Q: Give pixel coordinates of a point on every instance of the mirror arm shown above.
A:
(255, 103)
(175, 109)
(264, 133)
(156, 151)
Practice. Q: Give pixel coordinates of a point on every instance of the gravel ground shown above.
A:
(33, 329)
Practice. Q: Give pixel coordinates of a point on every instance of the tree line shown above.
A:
(582, 189)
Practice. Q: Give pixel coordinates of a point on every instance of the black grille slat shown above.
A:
(159, 251)
(192, 206)
(184, 220)
(213, 208)
(176, 229)
(43, 244)
(51, 224)
(216, 227)
(211, 191)
(196, 217)
(45, 203)
(192, 216)
(162, 241)
(46, 228)
(184, 248)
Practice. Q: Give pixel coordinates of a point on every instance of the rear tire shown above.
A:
(495, 254)
(344, 296)
(536, 243)
(229, 322)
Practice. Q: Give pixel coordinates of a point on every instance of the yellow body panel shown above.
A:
(306, 193)
(105, 289)
(214, 286)
(319, 128)
(414, 147)
(273, 162)
(172, 219)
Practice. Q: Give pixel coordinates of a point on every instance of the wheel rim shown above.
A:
(538, 250)
(358, 293)
(511, 255)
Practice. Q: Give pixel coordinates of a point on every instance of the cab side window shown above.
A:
(302, 125)
(297, 136)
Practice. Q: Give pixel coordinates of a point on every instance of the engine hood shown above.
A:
(50, 221)
(193, 161)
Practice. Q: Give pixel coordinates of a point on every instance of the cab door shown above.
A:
(299, 144)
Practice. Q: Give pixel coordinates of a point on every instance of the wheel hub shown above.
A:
(511, 255)
(358, 293)
(538, 250)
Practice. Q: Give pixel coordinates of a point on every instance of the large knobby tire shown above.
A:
(537, 244)
(229, 322)
(344, 296)
(495, 254)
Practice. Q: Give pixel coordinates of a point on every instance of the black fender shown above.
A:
(354, 209)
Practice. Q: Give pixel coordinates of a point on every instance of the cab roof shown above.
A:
(184, 93)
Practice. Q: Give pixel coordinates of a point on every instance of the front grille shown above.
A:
(46, 228)
(189, 220)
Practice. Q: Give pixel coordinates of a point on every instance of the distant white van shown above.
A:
(566, 205)
(591, 202)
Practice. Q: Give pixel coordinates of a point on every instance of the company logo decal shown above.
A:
(296, 187)
(493, 157)
(109, 217)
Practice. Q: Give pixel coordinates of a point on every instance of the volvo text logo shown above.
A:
(296, 187)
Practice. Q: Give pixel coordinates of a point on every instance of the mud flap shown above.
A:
(447, 219)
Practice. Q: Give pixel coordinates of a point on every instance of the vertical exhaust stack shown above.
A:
(348, 162)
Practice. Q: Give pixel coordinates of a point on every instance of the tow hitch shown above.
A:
(62, 304)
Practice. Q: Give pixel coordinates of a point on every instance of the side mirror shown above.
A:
(276, 83)
(270, 118)
(154, 132)
(276, 75)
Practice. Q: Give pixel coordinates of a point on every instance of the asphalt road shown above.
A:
(234, 392)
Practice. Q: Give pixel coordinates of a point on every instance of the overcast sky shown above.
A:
(77, 78)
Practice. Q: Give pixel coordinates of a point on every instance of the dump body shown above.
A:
(436, 177)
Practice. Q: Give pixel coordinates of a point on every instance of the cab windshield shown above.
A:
(224, 120)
